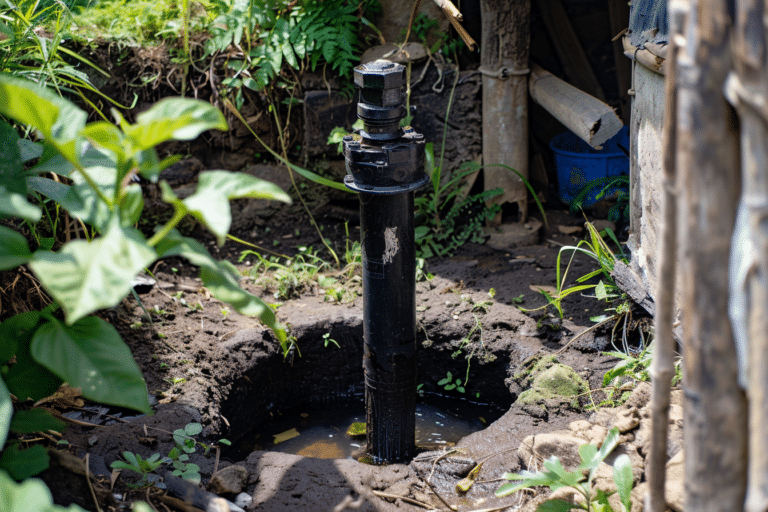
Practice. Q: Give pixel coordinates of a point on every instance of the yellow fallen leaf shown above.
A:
(284, 436)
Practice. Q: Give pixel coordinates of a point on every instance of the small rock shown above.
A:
(674, 489)
(569, 230)
(243, 499)
(230, 480)
(579, 426)
(601, 224)
(627, 419)
(536, 449)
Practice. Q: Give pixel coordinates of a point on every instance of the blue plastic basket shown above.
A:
(577, 164)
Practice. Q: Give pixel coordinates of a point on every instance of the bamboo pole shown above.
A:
(662, 366)
(708, 166)
(504, 65)
(746, 89)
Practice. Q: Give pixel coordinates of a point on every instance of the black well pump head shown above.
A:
(385, 165)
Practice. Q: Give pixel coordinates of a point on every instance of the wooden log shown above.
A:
(708, 165)
(746, 91)
(505, 39)
(576, 66)
(586, 116)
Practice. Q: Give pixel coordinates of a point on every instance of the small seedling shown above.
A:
(163, 366)
(144, 467)
(449, 384)
(327, 339)
(519, 299)
(137, 325)
(483, 306)
(224, 312)
(492, 292)
(176, 380)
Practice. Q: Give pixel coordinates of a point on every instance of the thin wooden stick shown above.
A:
(662, 366)
(404, 498)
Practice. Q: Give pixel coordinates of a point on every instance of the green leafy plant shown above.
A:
(134, 462)
(33, 496)
(327, 339)
(449, 384)
(427, 29)
(446, 221)
(32, 46)
(609, 186)
(290, 278)
(597, 249)
(41, 349)
(631, 368)
(556, 477)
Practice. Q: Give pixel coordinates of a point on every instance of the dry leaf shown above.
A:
(284, 436)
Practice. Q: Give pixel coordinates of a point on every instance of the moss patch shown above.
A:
(552, 380)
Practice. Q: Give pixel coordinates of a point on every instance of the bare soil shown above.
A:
(206, 364)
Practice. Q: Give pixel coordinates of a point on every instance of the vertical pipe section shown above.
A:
(385, 165)
(389, 324)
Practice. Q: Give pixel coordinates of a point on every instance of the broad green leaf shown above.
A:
(610, 442)
(210, 202)
(15, 204)
(622, 476)
(107, 136)
(193, 429)
(22, 464)
(84, 277)
(10, 154)
(90, 355)
(132, 204)
(559, 475)
(26, 379)
(174, 118)
(221, 279)
(14, 250)
(31, 495)
(587, 452)
(53, 163)
(6, 411)
(56, 118)
(35, 420)
(556, 505)
(508, 488)
(29, 150)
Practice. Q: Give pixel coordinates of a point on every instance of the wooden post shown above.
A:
(506, 33)
(708, 163)
(618, 10)
(746, 90)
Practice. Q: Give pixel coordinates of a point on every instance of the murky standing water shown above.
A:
(322, 431)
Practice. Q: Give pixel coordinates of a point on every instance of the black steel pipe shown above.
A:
(385, 165)
(389, 324)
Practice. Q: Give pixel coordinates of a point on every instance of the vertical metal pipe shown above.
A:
(389, 324)
(385, 164)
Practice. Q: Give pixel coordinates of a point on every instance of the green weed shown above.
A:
(555, 477)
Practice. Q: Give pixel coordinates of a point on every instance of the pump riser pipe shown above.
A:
(389, 324)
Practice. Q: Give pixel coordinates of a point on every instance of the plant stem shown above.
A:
(177, 216)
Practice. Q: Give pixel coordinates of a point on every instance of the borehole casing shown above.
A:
(385, 165)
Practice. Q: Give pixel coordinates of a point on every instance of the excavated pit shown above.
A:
(319, 387)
